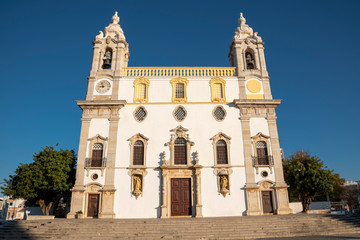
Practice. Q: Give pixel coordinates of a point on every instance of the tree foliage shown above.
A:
(308, 177)
(45, 180)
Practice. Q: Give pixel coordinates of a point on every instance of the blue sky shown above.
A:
(311, 48)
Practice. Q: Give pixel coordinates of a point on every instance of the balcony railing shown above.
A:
(96, 163)
(263, 161)
(178, 71)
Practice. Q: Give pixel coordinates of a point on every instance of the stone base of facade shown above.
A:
(283, 211)
(253, 213)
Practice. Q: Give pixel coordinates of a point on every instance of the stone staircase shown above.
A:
(261, 227)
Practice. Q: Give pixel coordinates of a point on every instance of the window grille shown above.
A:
(180, 114)
(98, 146)
(218, 91)
(219, 113)
(261, 144)
(141, 91)
(140, 114)
(221, 152)
(138, 158)
(179, 90)
(180, 151)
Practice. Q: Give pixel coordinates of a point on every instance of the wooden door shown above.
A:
(267, 202)
(180, 196)
(93, 205)
(96, 158)
(262, 156)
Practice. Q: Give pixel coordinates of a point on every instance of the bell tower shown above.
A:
(110, 55)
(247, 55)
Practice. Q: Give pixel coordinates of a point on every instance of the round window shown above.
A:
(179, 114)
(94, 176)
(219, 113)
(140, 114)
(264, 174)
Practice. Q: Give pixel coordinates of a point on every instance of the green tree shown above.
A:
(308, 177)
(45, 180)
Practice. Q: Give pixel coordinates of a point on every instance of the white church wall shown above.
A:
(157, 125)
(100, 180)
(145, 206)
(259, 125)
(215, 204)
(99, 126)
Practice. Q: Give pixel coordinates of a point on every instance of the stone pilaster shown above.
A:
(107, 210)
(96, 59)
(280, 185)
(164, 195)
(252, 192)
(198, 192)
(77, 196)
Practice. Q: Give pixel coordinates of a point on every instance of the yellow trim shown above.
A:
(253, 86)
(164, 103)
(214, 81)
(254, 96)
(175, 81)
(178, 71)
(137, 83)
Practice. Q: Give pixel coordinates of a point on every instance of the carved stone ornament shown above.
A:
(137, 181)
(266, 185)
(243, 31)
(179, 132)
(114, 30)
(223, 180)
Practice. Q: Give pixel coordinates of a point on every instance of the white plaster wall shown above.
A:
(99, 126)
(160, 89)
(100, 180)
(157, 125)
(270, 177)
(215, 204)
(259, 125)
(147, 205)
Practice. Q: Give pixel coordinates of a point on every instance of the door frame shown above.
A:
(272, 202)
(195, 186)
(98, 207)
(191, 200)
(92, 188)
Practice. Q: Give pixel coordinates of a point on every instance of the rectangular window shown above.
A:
(141, 91)
(218, 90)
(179, 90)
(221, 155)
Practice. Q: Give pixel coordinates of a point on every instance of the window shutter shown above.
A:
(221, 152)
(138, 158)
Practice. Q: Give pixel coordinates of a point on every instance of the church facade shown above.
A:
(160, 142)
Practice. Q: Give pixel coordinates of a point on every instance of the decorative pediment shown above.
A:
(98, 137)
(221, 135)
(179, 80)
(260, 136)
(138, 136)
(141, 80)
(266, 185)
(217, 80)
(179, 129)
(179, 132)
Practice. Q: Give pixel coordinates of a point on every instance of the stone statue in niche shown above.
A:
(224, 184)
(137, 188)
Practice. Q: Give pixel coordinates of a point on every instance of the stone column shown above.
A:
(77, 196)
(240, 66)
(280, 185)
(252, 189)
(120, 58)
(198, 193)
(262, 60)
(107, 210)
(163, 193)
(96, 60)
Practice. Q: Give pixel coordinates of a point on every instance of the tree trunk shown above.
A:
(306, 201)
(45, 208)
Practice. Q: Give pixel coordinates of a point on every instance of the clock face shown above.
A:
(103, 86)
